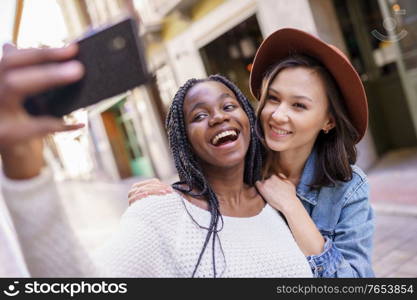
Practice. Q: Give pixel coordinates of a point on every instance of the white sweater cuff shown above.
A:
(26, 185)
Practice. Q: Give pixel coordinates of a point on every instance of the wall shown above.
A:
(273, 15)
(327, 24)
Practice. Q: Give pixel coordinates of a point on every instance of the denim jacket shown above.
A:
(345, 218)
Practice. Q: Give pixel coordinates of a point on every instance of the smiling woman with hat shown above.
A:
(312, 112)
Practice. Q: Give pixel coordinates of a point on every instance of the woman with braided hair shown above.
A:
(216, 225)
(194, 184)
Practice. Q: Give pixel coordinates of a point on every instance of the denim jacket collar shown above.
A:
(304, 191)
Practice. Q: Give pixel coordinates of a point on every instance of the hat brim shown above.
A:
(289, 41)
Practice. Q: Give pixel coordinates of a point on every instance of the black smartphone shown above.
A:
(114, 62)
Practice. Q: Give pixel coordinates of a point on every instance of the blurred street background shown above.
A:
(125, 141)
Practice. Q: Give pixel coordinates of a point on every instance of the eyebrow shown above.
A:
(199, 104)
(293, 96)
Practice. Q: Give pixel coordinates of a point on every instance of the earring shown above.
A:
(326, 131)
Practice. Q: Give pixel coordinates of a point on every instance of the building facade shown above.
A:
(198, 38)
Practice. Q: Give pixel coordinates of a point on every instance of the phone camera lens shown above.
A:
(118, 43)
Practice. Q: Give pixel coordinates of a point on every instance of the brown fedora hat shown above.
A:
(288, 41)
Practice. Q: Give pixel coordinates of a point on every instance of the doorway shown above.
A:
(125, 142)
(376, 60)
(232, 53)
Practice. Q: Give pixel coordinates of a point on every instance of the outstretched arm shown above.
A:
(38, 217)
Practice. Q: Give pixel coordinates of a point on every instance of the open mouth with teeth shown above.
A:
(281, 132)
(225, 137)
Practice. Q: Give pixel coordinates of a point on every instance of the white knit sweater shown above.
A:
(157, 237)
(11, 260)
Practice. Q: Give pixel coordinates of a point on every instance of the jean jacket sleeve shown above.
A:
(347, 250)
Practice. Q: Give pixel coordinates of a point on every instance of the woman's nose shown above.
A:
(280, 115)
(218, 117)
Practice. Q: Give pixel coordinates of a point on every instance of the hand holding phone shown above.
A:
(114, 62)
(25, 72)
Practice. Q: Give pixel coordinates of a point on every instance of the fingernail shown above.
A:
(71, 48)
(73, 68)
(8, 47)
(75, 126)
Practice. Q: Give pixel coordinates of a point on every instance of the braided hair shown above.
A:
(189, 170)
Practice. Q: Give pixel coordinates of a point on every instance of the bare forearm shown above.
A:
(23, 161)
(305, 232)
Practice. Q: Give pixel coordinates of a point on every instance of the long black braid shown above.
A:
(189, 170)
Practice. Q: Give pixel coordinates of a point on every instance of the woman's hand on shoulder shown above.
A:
(147, 188)
(279, 192)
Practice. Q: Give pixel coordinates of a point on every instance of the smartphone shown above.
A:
(114, 62)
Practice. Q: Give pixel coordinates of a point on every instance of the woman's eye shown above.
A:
(198, 117)
(272, 98)
(300, 105)
(229, 107)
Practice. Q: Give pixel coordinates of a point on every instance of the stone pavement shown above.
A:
(393, 182)
(395, 250)
(393, 179)
(95, 208)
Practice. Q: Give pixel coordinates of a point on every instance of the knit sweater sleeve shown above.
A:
(138, 248)
(48, 242)
(11, 259)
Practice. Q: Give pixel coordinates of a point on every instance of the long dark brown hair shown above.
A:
(336, 150)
